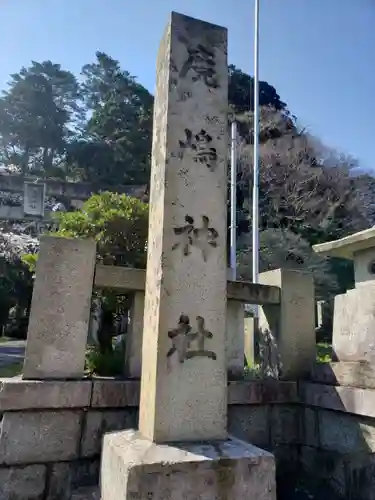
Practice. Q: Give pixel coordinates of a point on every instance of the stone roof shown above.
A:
(348, 246)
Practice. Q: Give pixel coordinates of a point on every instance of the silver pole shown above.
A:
(255, 224)
(233, 201)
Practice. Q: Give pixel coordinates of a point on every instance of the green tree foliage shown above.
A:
(36, 116)
(16, 280)
(116, 146)
(119, 225)
(117, 222)
(241, 92)
(100, 131)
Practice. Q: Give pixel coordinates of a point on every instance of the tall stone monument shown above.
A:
(182, 449)
(60, 309)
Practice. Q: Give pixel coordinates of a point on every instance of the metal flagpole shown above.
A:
(233, 202)
(255, 224)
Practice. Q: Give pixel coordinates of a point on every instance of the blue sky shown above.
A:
(319, 54)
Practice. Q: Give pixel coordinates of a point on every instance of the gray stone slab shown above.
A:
(97, 423)
(59, 486)
(343, 433)
(18, 394)
(85, 472)
(354, 324)
(250, 423)
(285, 424)
(351, 373)
(344, 399)
(91, 493)
(136, 468)
(326, 466)
(310, 427)
(60, 309)
(108, 393)
(23, 483)
(51, 436)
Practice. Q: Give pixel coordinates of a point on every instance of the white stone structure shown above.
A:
(354, 312)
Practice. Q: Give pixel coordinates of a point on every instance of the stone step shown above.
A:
(87, 493)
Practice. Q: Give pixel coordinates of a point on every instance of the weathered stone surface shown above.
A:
(22, 483)
(262, 391)
(120, 278)
(250, 339)
(285, 424)
(344, 399)
(134, 467)
(184, 376)
(292, 324)
(363, 260)
(60, 309)
(310, 427)
(97, 423)
(280, 391)
(250, 423)
(123, 393)
(92, 493)
(130, 279)
(133, 359)
(355, 374)
(18, 394)
(354, 324)
(345, 433)
(243, 393)
(108, 393)
(360, 477)
(287, 460)
(253, 293)
(39, 437)
(59, 486)
(235, 339)
(325, 466)
(85, 473)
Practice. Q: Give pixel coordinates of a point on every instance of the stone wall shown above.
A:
(50, 431)
(337, 416)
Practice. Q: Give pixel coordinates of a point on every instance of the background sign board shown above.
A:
(33, 198)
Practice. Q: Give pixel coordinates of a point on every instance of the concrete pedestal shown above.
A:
(134, 468)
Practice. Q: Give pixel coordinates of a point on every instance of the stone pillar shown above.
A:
(181, 449)
(60, 309)
(133, 349)
(250, 332)
(235, 339)
(290, 327)
(184, 362)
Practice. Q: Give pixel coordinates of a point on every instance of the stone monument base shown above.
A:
(134, 468)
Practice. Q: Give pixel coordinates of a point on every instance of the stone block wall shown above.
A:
(51, 431)
(338, 428)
